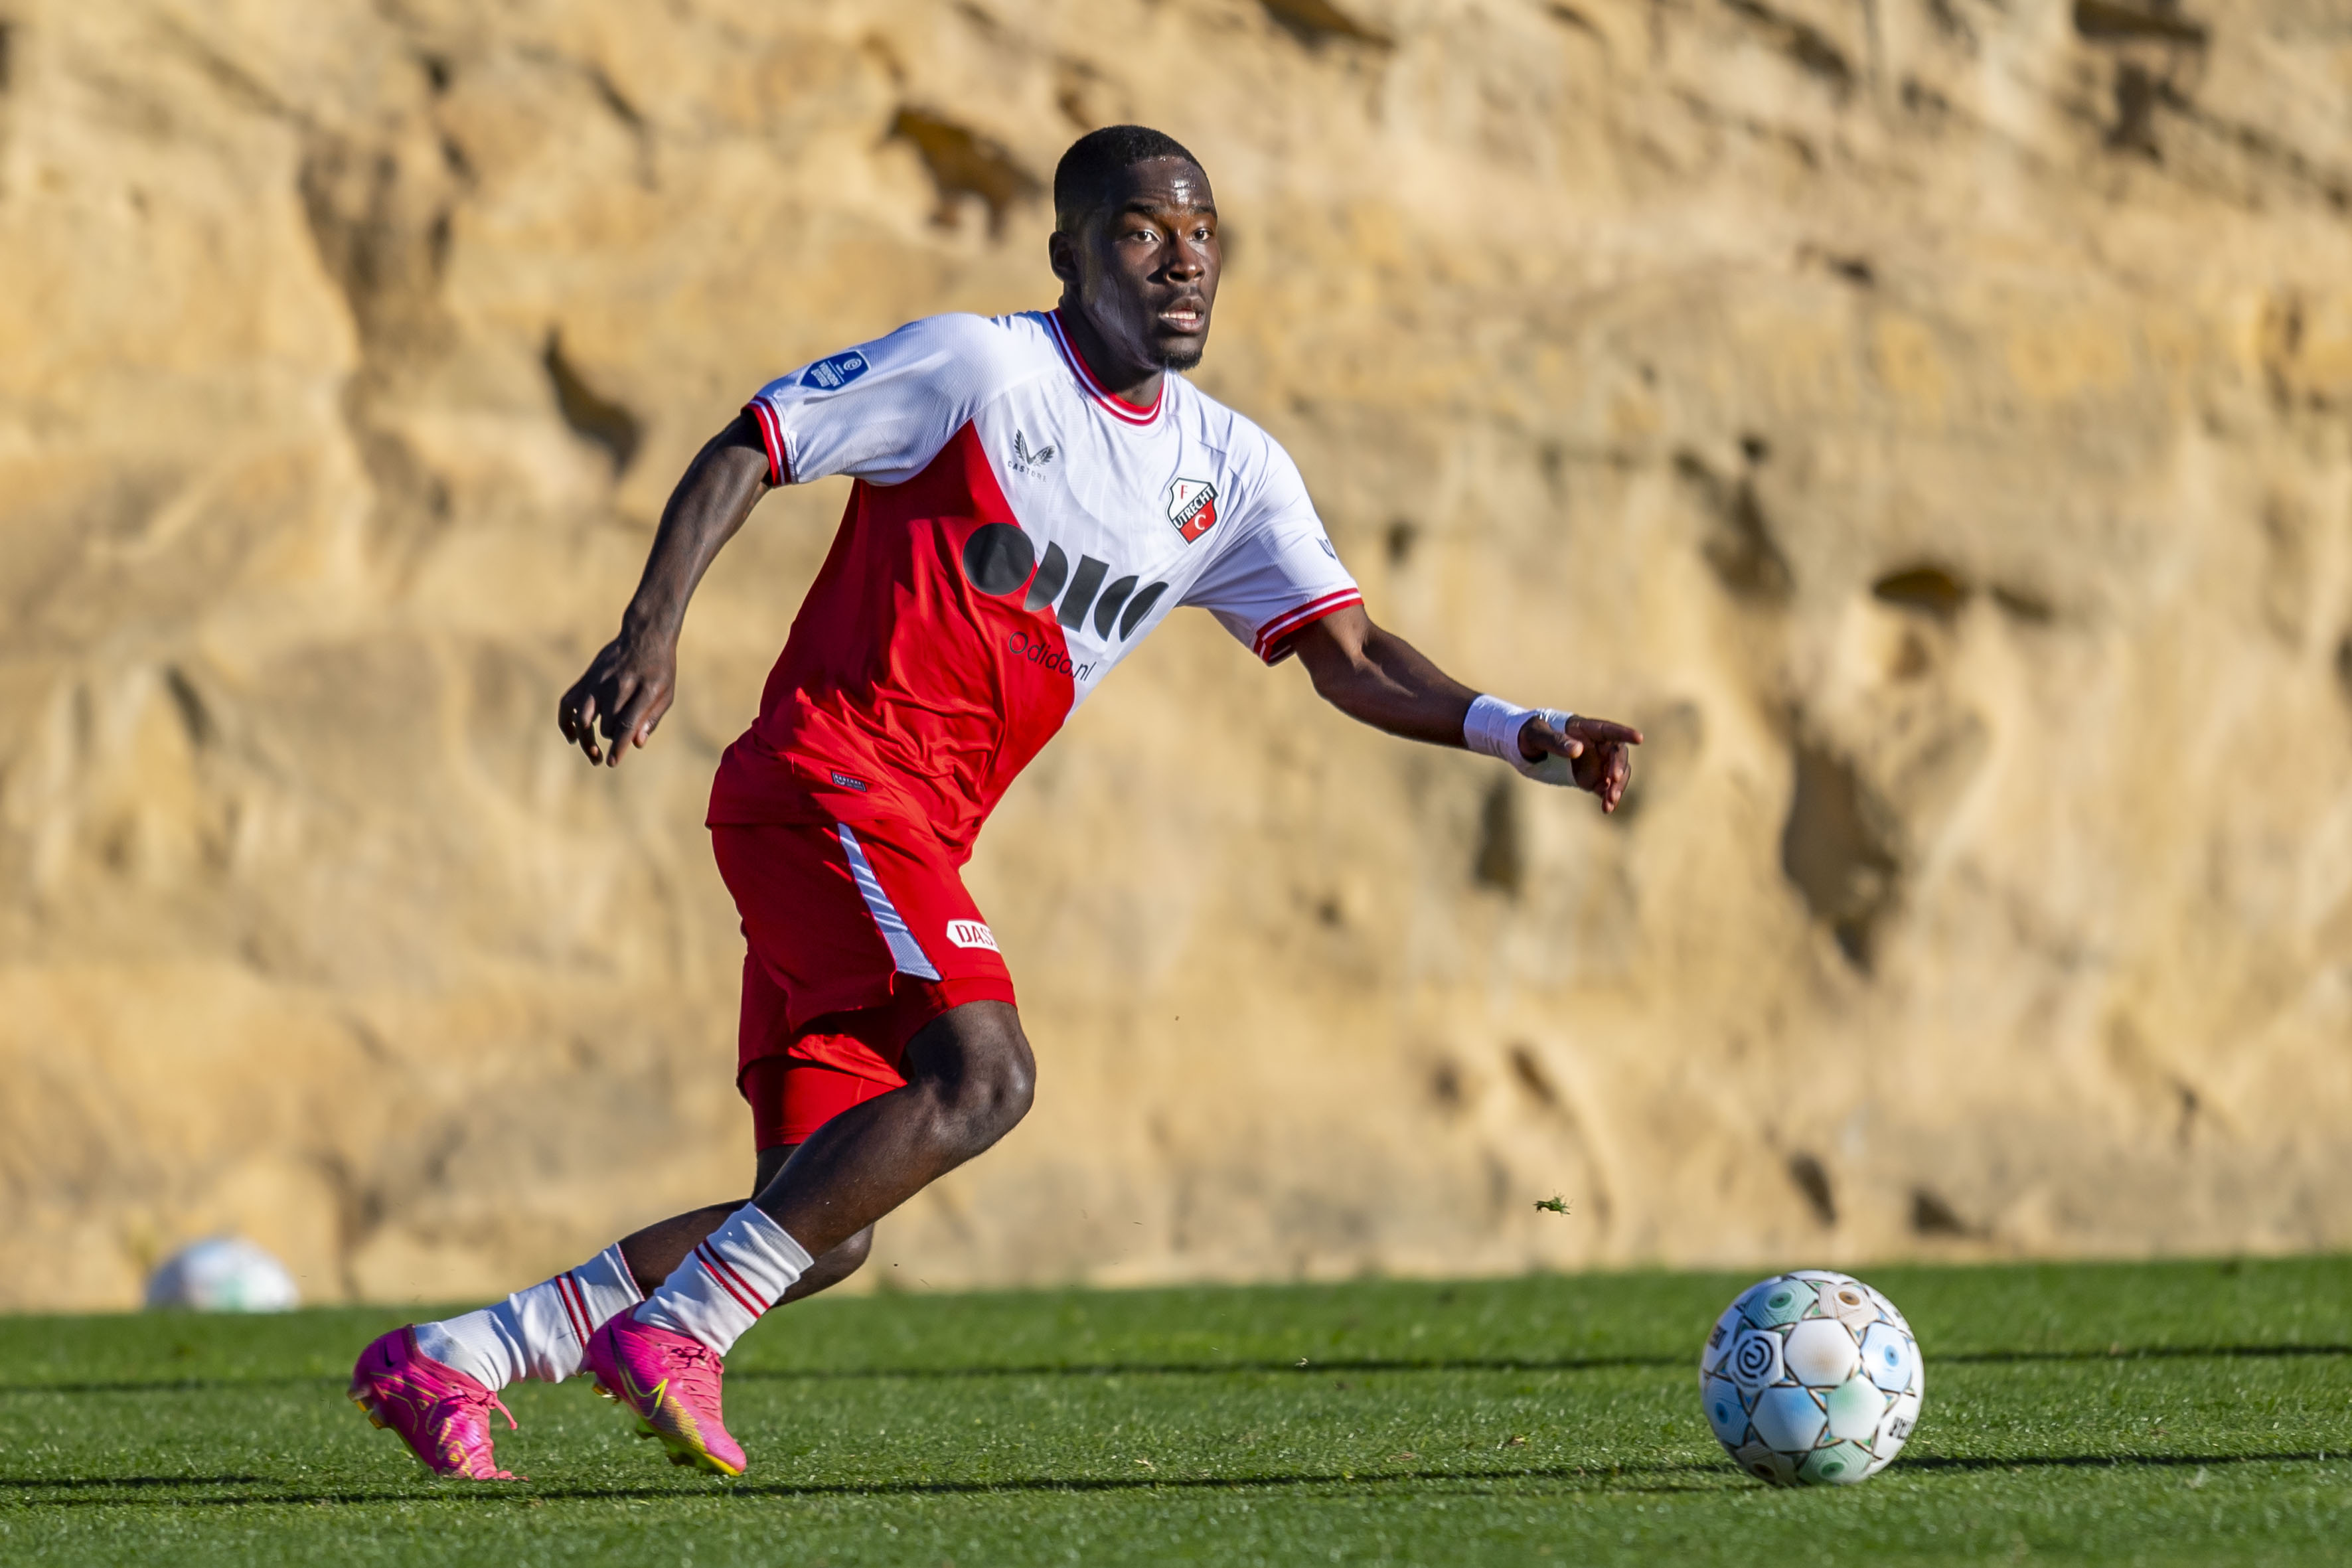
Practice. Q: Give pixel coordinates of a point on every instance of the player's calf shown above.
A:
(832, 1268)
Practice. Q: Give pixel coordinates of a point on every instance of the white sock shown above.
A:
(718, 1292)
(540, 1333)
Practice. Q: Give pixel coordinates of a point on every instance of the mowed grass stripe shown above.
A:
(2157, 1413)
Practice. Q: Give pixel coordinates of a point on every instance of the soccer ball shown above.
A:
(223, 1274)
(1811, 1379)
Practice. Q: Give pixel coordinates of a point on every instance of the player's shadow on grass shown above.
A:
(862, 1374)
(1366, 1365)
(70, 1483)
(1218, 1368)
(1502, 1363)
(170, 1384)
(1589, 1477)
(2107, 1461)
(1624, 1478)
(2140, 1352)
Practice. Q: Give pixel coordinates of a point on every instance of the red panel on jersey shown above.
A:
(901, 675)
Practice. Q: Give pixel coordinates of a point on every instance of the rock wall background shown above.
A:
(1928, 418)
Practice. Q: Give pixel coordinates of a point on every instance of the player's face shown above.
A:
(1147, 266)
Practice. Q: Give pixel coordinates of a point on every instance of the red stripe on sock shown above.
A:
(734, 1276)
(575, 1306)
(737, 1275)
(744, 1296)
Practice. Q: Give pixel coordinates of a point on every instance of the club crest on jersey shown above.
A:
(833, 375)
(1192, 507)
(1025, 461)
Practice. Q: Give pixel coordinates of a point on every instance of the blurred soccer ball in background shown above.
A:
(222, 1274)
(1811, 1379)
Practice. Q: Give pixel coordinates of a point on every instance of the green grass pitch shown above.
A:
(2159, 1413)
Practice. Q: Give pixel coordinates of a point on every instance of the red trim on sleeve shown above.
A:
(1271, 637)
(771, 436)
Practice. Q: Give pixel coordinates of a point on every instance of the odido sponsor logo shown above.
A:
(1045, 656)
(1000, 560)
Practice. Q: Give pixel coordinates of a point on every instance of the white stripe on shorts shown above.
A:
(904, 951)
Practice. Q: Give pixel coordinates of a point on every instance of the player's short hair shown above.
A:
(1082, 179)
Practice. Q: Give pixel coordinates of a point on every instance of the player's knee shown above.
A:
(991, 1094)
(975, 1067)
(1008, 1087)
(990, 1085)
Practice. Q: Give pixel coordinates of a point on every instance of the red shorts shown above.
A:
(859, 936)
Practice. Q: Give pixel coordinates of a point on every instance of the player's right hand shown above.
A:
(626, 690)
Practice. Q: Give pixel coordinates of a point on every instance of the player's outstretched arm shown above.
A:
(1383, 680)
(629, 684)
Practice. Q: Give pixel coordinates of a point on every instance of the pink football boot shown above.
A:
(671, 1381)
(440, 1413)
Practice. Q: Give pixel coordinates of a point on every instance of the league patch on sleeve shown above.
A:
(1192, 507)
(833, 375)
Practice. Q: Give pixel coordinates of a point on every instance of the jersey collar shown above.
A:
(1117, 407)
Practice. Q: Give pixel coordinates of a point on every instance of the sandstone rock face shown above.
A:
(1927, 417)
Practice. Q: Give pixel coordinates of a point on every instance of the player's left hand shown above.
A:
(1600, 752)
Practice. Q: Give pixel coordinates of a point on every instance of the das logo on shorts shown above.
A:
(1192, 507)
(971, 933)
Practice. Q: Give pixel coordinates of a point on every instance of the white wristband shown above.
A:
(1492, 728)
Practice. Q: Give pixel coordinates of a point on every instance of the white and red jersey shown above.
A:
(1014, 530)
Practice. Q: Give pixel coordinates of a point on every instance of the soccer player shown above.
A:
(1033, 494)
